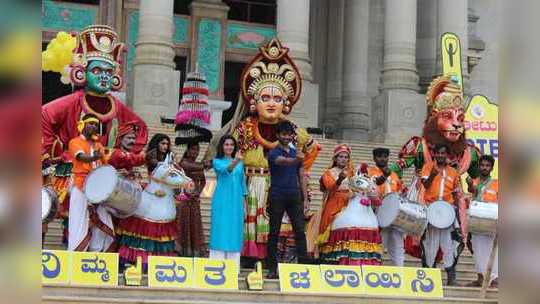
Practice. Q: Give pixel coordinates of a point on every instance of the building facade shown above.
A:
(365, 63)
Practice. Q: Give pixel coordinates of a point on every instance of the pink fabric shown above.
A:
(187, 116)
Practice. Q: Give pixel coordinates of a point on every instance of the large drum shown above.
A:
(441, 214)
(482, 217)
(49, 204)
(105, 186)
(402, 214)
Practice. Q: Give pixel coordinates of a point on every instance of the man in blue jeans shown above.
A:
(288, 192)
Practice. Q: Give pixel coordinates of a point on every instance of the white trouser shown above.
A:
(482, 245)
(226, 255)
(435, 238)
(79, 222)
(393, 242)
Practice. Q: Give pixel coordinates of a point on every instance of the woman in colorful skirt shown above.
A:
(190, 241)
(228, 202)
(140, 234)
(349, 231)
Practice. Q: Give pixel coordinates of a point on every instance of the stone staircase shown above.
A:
(123, 294)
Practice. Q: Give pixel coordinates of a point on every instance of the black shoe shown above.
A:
(451, 276)
(272, 275)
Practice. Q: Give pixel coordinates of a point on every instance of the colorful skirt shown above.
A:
(354, 237)
(257, 222)
(140, 237)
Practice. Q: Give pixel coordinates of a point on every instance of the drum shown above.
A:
(105, 186)
(402, 214)
(441, 214)
(49, 204)
(482, 217)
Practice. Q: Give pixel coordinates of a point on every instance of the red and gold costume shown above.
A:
(126, 161)
(59, 117)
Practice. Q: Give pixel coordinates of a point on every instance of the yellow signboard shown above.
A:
(94, 268)
(341, 279)
(451, 56)
(482, 127)
(166, 271)
(55, 266)
(383, 280)
(422, 282)
(216, 274)
(299, 278)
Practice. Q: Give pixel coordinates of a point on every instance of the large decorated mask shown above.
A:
(446, 108)
(97, 60)
(271, 83)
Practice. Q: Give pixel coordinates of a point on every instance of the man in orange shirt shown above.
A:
(87, 154)
(484, 189)
(388, 182)
(441, 182)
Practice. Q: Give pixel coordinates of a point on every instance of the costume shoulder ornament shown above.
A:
(271, 66)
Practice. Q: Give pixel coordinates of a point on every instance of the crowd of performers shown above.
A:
(260, 207)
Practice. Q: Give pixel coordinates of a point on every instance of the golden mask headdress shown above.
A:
(272, 66)
(444, 93)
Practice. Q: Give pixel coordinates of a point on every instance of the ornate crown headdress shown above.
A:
(272, 66)
(97, 42)
(443, 93)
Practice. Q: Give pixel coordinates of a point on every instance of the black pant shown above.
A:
(294, 208)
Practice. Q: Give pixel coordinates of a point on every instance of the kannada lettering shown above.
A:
(216, 275)
(99, 266)
(46, 257)
(425, 284)
(300, 279)
(385, 280)
(177, 273)
(351, 277)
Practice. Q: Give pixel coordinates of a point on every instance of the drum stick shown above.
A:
(487, 275)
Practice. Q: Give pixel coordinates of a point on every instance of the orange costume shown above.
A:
(450, 185)
(88, 227)
(488, 191)
(392, 184)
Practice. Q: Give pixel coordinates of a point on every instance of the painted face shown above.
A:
(270, 104)
(342, 159)
(99, 76)
(485, 168)
(441, 156)
(381, 160)
(163, 146)
(450, 123)
(128, 141)
(228, 147)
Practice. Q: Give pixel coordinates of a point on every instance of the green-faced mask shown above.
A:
(99, 76)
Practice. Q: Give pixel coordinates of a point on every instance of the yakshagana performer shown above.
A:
(95, 71)
(270, 86)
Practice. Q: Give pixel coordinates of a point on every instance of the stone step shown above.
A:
(123, 294)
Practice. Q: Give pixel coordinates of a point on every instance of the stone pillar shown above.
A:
(402, 108)
(356, 102)
(399, 71)
(334, 68)
(209, 34)
(293, 31)
(453, 17)
(156, 83)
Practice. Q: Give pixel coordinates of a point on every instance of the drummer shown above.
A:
(89, 228)
(441, 182)
(484, 189)
(388, 182)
